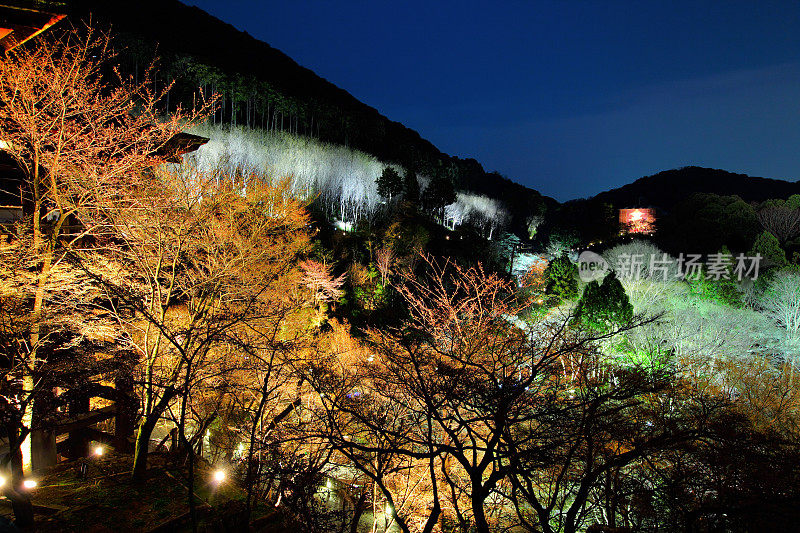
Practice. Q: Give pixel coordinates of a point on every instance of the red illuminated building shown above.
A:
(638, 220)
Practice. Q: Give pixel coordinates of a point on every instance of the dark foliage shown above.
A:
(410, 185)
(390, 183)
(438, 194)
(668, 188)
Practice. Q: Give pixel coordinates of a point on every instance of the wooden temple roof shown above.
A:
(20, 24)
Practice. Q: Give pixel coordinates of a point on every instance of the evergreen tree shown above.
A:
(438, 194)
(619, 310)
(389, 183)
(562, 278)
(587, 309)
(767, 246)
(605, 306)
(410, 185)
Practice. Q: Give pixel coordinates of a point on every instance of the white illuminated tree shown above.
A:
(781, 302)
(341, 179)
(483, 212)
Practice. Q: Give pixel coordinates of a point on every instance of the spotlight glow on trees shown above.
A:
(98, 451)
(219, 476)
(640, 220)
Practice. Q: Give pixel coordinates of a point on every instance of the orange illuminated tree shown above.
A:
(211, 269)
(78, 131)
(486, 414)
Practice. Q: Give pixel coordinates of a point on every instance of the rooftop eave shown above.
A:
(19, 25)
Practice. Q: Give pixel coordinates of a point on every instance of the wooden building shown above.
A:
(19, 24)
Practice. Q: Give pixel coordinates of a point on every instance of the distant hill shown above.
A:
(695, 209)
(666, 189)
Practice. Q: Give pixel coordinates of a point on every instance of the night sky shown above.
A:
(568, 97)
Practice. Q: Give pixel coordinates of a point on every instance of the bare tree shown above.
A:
(384, 262)
(781, 301)
(326, 288)
(609, 418)
(77, 324)
(73, 130)
(489, 417)
(464, 398)
(198, 260)
(783, 221)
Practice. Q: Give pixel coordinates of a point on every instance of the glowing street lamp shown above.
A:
(219, 476)
(2, 481)
(29, 484)
(98, 451)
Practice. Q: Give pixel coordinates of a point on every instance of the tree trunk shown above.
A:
(144, 433)
(478, 512)
(189, 449)
(142, 448)
(22, 506)
(125, 415)
(20, 502)
(358, 510)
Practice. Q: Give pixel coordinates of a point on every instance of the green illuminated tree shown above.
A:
(719, 287)
(562, 278)
(767, 246)
(605, 306)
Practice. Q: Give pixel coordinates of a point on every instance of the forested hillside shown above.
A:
(697, 208)
(260, 87)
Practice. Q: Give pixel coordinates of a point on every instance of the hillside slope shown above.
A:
(318, 107)
(696, 208)
(668, 188)
(178, 28)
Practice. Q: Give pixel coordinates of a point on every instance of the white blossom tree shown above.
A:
(781, 302)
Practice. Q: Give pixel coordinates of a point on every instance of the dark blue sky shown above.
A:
(568, 97)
